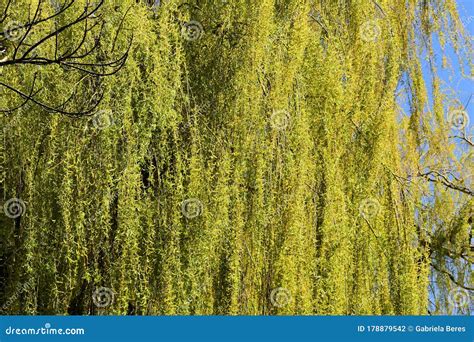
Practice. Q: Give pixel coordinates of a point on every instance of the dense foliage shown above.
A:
(251, 157)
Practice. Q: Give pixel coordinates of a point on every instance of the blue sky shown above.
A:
(459, 88)
(464, 87)
(454, 83)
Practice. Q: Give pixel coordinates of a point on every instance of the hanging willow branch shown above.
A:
(257, 157)
(28, 43)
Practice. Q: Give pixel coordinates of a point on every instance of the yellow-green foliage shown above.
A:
(281, 120)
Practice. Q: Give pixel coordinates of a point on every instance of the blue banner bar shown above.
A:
(237, 329)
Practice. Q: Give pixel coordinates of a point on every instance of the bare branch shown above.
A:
(440, 178)
(79, 57)
(452, 278)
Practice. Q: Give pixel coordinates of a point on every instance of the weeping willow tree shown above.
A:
(250, 157)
